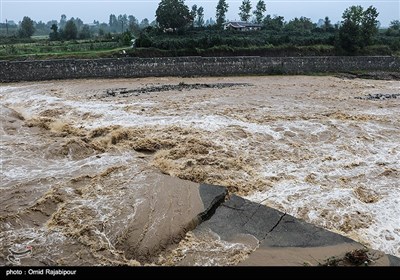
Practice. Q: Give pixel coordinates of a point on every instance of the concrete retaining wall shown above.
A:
(12, 71)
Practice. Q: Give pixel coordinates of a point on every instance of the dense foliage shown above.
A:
(245, 9)
(259, 11)
(221, 10)
(173, 14)
(179, 30)
(358, 29)
(27, 28)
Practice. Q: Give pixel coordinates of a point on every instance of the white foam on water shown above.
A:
(383, 233)
(35, 168)
(47, 243)
(338, 166)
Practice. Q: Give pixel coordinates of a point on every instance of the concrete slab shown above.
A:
(211, 196)
(292, 232)
(245, 233)
(394, 261)
(241, 216)
(170, 208)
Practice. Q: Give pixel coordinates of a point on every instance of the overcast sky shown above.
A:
(88, 10)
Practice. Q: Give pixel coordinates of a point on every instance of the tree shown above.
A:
(143, 41)
(276, 23)
(193, 13)
(153, 23)
(144, 23)
(126, 38)
(358, 28)
(63, 21)
(210, 21)
(327, 25)
(50, 23)
(78, 22)
(369, 25)
(122, 22)
(245, 9)
(300, 25)
(259, 11)
(395, 24)
(200, 17)
(394, 28)
(104, 27)
(133, 24)
(27, 28)
(101, 32)
(85, 32)
(70, 31)
(54, 35)
(173, 14)
(113, 23)
(221, 10)
(40, 27)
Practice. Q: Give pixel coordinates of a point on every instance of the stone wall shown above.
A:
(37, 70)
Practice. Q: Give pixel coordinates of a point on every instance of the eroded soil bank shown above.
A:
(81, 162)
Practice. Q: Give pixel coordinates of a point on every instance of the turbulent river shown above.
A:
(79, 157)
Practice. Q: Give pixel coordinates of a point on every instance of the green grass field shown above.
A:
(44, 49)
(40, 37)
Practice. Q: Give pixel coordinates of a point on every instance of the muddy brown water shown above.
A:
(79, 166)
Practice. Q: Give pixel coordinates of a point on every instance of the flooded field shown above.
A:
(80, 160)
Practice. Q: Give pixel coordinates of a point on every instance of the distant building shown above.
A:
(241, 26)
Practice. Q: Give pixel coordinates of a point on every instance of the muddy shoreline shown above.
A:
(376, 75)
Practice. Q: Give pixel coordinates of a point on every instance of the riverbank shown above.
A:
(39, 70)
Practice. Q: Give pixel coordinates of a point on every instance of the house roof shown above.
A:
(241, 24)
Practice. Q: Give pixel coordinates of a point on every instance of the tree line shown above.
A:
(357, 30)
(74, 28)
(352, 35)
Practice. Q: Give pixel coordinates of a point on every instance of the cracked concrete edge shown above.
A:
(293, 232)
(273, 228)
(240, 216)
(212, 197)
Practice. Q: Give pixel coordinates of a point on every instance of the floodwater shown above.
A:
(80, 159)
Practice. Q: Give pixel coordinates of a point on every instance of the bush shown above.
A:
(395, 44)
(125, 38)
(204, 39)
(143, 41)
(377, 50)
(225, 50)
